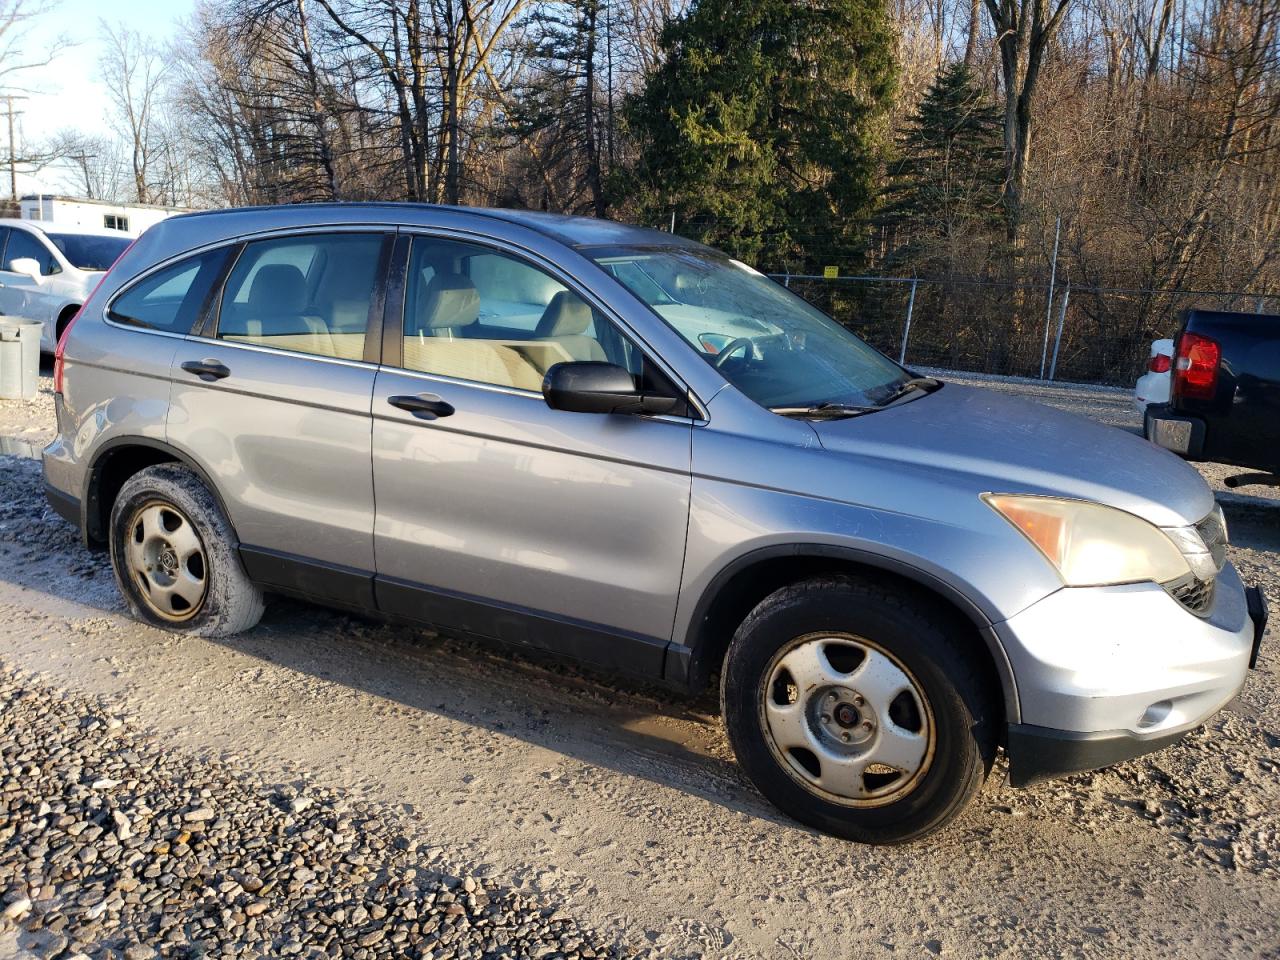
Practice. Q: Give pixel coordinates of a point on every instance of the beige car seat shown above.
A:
(565, 321)
(450, 304)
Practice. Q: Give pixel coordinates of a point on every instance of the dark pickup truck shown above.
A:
(1225, 397)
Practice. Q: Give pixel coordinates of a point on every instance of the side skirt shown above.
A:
(359, 590)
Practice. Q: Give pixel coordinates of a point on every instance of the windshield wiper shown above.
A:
(824, 411)
(910, 386)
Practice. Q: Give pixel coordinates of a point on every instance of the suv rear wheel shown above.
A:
(174, 556)
(852, 708)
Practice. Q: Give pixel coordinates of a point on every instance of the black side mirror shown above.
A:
(590, 386)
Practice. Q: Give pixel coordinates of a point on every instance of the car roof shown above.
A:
(570, 230)
(49, 226)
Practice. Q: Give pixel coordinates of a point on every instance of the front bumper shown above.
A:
(1108, 673)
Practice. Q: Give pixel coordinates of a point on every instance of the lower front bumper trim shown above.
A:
(1042, 753)
(1258, 614)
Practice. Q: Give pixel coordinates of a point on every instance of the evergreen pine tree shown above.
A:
(944, 192)
(762, 128)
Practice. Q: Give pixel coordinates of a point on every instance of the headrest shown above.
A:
(449, 301)
(278, 288)
(566, 316)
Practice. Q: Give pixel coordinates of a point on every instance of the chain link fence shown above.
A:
(1099, 335)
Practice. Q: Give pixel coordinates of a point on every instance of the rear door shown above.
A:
(273, 398)
(497, 514)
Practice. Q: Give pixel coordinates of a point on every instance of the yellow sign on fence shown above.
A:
(830, 273)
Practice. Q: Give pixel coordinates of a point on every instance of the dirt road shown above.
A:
(622, 806)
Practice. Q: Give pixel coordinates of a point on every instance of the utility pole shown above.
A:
(13, 150)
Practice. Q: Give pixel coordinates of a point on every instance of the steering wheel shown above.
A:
(732, 347)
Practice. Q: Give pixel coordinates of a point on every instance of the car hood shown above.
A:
(1007, 445)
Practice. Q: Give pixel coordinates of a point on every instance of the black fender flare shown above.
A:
(91, 507)
(687, 663)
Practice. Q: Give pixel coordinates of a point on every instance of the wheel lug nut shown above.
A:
(844, 737)
(866, 724)
(858, 701)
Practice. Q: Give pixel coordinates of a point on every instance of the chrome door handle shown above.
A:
(424, 406)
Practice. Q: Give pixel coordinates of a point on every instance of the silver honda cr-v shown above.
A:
(629, 449)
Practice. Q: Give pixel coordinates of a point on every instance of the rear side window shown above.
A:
(309, 294)
(171, 299)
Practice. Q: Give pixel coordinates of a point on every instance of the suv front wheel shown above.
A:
(174, 555)
(852, 708)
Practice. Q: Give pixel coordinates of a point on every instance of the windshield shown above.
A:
(767, 342)
(88, 252)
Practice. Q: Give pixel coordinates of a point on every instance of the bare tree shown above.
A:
(430, 55)
(96, 163)
(134, 69)
(16, 57)
(1024, 29)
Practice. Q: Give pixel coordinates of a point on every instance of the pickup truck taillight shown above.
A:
(1195, 371)
(1160, 363)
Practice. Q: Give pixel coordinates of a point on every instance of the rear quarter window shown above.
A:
(171, 298)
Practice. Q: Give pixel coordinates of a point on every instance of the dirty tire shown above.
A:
(231, 602)
(922, 638)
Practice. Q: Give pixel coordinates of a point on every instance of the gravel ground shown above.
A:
(111, 842)
(558, 793)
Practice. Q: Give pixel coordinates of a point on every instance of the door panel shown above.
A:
(505, 500)
(286, 439)
(276, 407)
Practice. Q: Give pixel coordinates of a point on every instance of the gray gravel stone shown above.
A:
(195, 859)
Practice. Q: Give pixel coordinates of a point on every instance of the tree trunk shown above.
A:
(971, 40)
(592, 145)
(324, 150)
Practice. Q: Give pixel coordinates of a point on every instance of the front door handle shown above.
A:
(424, 406)
(207, 370)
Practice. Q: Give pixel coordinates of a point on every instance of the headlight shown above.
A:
(1092, 545)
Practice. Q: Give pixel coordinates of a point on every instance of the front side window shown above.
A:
(473, 313)
(778, 350)
(310, 294)
(23, 245)
(170, 299)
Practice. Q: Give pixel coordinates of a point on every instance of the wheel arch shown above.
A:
(113, 464)
(63, 318)
(743, 583)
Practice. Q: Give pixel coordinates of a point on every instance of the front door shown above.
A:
(273, 400)
(498, 515)
(22, 295)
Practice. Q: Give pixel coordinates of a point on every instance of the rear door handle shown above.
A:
(424, 406)
(207, 370)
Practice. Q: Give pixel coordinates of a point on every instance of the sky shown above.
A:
(66, 93)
